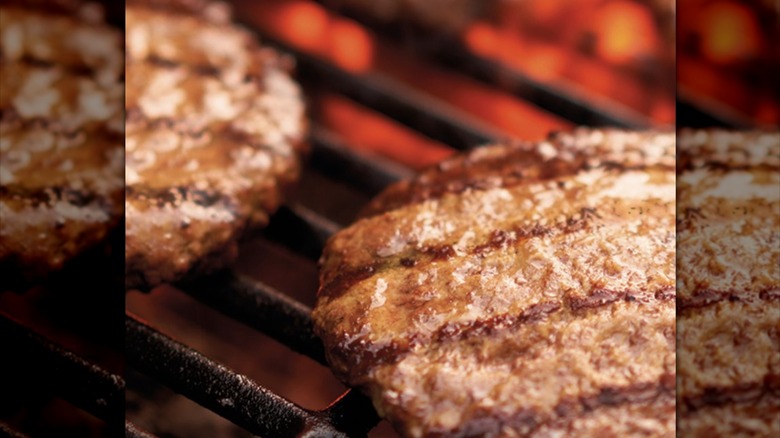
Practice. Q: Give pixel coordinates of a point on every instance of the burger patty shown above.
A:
(519, 289)
(729, 276)
(215, 130)
(61, 127)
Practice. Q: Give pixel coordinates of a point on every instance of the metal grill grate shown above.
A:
(234, 396)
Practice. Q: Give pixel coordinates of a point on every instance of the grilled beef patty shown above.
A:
(215, 130)
(61, 129)
(729, 277)
(515, 290)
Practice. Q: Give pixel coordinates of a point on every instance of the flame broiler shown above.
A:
(385, 100)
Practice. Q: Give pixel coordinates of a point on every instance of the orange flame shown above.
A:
(729, 32)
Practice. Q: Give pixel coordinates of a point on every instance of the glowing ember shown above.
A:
(729, 33)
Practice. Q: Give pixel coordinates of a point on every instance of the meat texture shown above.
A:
(729, 281)
(215, 132)
(61, 127)
(517, 290)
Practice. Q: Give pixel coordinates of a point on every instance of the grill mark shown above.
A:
(345, 280)
(491, 326)
(204, 70)
(708, 297)
(433, 186)
(78, 70)
(135, 116)
(734, 394)
(489, 422)
(255, 72)
(50, 195)
(177, 195)
(367, 356)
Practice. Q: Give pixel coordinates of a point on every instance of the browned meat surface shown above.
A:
(516, 290)
(61, 127)
(729, 279)
(215, 130)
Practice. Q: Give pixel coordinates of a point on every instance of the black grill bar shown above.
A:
(234, 396)
(692, 114)
(391, 98)
(301, 230)
(352, 407)
(85, 385)
(261, 307)
(451, 53)
(340, 163)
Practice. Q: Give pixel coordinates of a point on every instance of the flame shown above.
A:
(366, 130)
(482, 39)
(351, 46)
(625, 31)
(768, 113)
(305, 23)
(729, 32)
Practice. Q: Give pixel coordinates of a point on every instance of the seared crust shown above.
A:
(214, 135)
(729, 283)
(516, 290)
(61, 127)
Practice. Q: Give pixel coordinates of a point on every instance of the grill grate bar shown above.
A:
(451, 53)
(234, 396)
(391, 98)
(261, 307)
(340, 163)
(693, 114)
(86, 385)
(301, 230)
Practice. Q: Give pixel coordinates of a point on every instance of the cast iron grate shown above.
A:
(234, 396)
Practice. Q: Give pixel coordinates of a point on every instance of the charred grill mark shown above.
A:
(204, 70)
(597, 298)
(708, 297)
(489, 423)
(603, 297)
(496, 240)
(408, 263)
(174, 196)
(438, 253)
(219, 131)
(50, 195)
(487, 327)
(735, 394)
(431, 187)
(345, 279)
(79, 70)
(366, 355)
